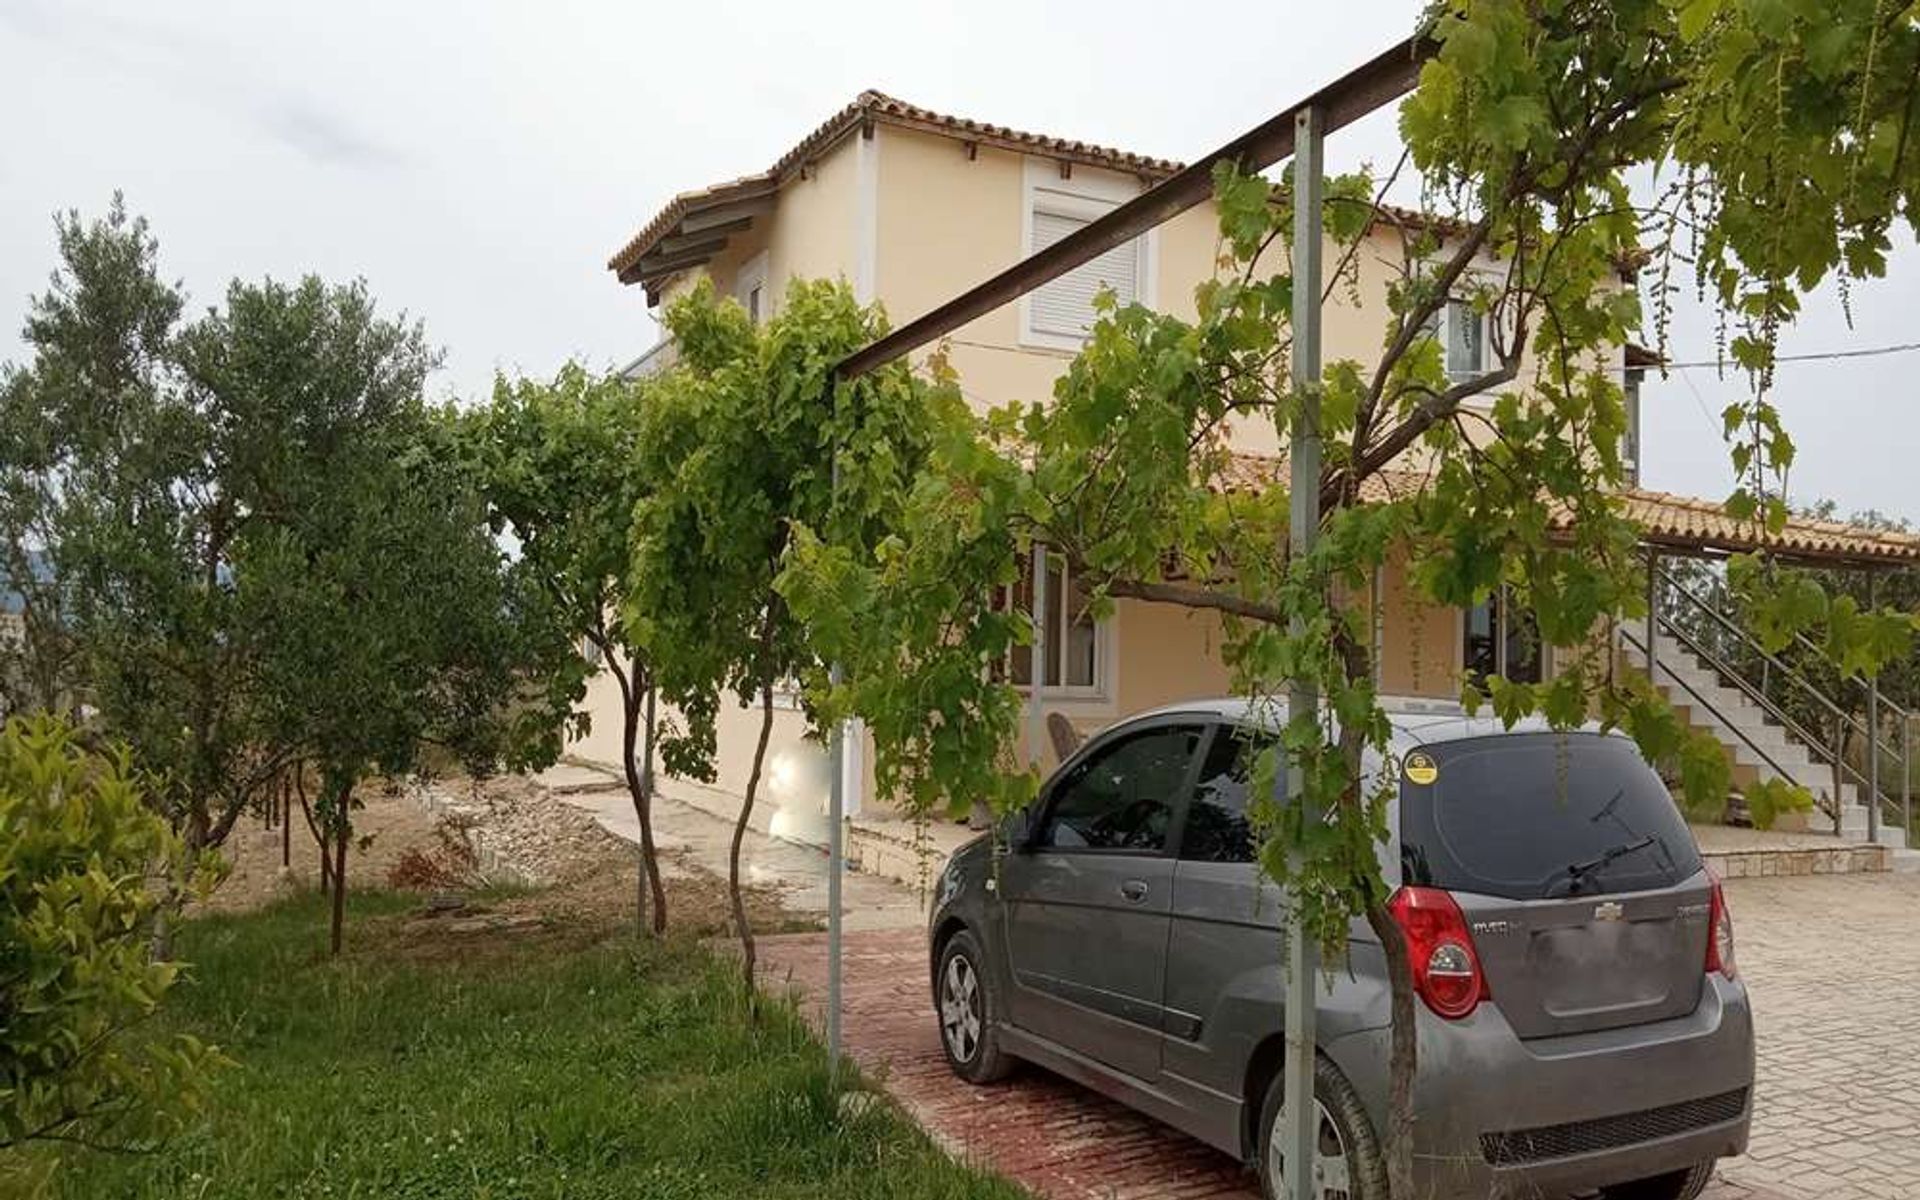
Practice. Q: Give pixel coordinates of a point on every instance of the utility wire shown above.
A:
(1822, 356)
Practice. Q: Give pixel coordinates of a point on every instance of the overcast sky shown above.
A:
(477, 163)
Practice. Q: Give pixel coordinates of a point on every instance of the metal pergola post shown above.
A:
(1300, 1133)
(836, 867)
(1037, 673)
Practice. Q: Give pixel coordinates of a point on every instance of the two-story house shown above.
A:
(912, 207)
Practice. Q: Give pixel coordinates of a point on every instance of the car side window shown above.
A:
(1122, 796)
(1217, 826)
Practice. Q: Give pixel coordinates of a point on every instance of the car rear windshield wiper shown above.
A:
(1581, 870)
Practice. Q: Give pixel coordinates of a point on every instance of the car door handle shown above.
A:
(1134, 890)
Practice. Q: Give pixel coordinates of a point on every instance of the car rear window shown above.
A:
(1537, 815)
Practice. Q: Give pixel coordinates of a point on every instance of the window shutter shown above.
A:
(1064, 307)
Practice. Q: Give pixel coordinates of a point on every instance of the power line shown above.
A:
(1822, 356)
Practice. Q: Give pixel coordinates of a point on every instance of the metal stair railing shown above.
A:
(1901, 753)
(1866, 783)
(1833, 808)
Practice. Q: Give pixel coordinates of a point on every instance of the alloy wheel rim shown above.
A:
(1332, 1179)
(960, 1017)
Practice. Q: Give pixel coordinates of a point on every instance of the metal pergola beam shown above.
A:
(1376, 83)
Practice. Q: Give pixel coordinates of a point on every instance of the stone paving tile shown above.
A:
(1060, 1141)
(1834, 969)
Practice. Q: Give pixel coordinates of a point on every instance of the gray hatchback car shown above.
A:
(1581, 1025)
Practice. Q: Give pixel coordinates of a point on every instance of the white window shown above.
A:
(750, 287)
(1075, 651)
(1060, 313)
(1463, 339)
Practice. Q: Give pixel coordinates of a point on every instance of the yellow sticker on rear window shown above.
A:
(1419, 768)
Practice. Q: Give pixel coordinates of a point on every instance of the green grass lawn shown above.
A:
(551, 1063)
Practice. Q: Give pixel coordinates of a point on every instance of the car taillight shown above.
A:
(1719, 934)
(1446, 970)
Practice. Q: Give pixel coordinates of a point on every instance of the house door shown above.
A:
(1500, 638)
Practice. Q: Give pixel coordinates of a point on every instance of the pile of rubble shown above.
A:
(520, 831)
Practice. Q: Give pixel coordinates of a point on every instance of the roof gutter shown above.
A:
(1376, 83)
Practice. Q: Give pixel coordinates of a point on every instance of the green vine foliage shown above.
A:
(78, 842)
(1522, 128)
(754, 449)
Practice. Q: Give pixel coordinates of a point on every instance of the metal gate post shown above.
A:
(1300, 1131)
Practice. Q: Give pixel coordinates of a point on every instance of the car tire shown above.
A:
(1676, 1185)
(968, 1014)
(1344, 1129)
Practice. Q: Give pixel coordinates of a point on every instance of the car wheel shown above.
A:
(1677, 1185)
(1349, 1165)
(969, 1032)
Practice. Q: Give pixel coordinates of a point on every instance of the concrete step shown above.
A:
(1904, 862)
(1753, 740)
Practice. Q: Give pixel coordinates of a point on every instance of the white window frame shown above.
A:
(1104, 659)
(753, 274)
(1087, 194)
(1483, 272)
(1451, 316)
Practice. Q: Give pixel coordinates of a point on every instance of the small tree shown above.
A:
(399, 631)
(558, 465)
(747, 440)
(77, 844)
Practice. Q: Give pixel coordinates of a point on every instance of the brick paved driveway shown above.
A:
(1832, 962)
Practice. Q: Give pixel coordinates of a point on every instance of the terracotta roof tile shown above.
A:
(1666, 519)
(880, 108)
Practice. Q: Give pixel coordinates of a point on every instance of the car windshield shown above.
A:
(1539, 815)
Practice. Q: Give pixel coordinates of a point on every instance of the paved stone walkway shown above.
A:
(1834, 966)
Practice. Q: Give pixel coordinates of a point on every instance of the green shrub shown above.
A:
(77, 845)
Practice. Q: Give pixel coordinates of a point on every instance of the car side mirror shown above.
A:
(1016, 831)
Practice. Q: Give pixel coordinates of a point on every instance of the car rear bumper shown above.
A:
(1498, 1116)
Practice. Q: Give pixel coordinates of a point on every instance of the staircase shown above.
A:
(1759, 746)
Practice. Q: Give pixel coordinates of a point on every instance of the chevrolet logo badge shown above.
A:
(1608, 911)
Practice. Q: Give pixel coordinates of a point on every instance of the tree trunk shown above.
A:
(648, 852)
(343, 832)
(320, 837)
(740, 833)
(286, 829)
(639, 777)
(1404, 1058)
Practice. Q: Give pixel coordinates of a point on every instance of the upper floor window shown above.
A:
(1462, 332)
(1060, 313)
(750, 287)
